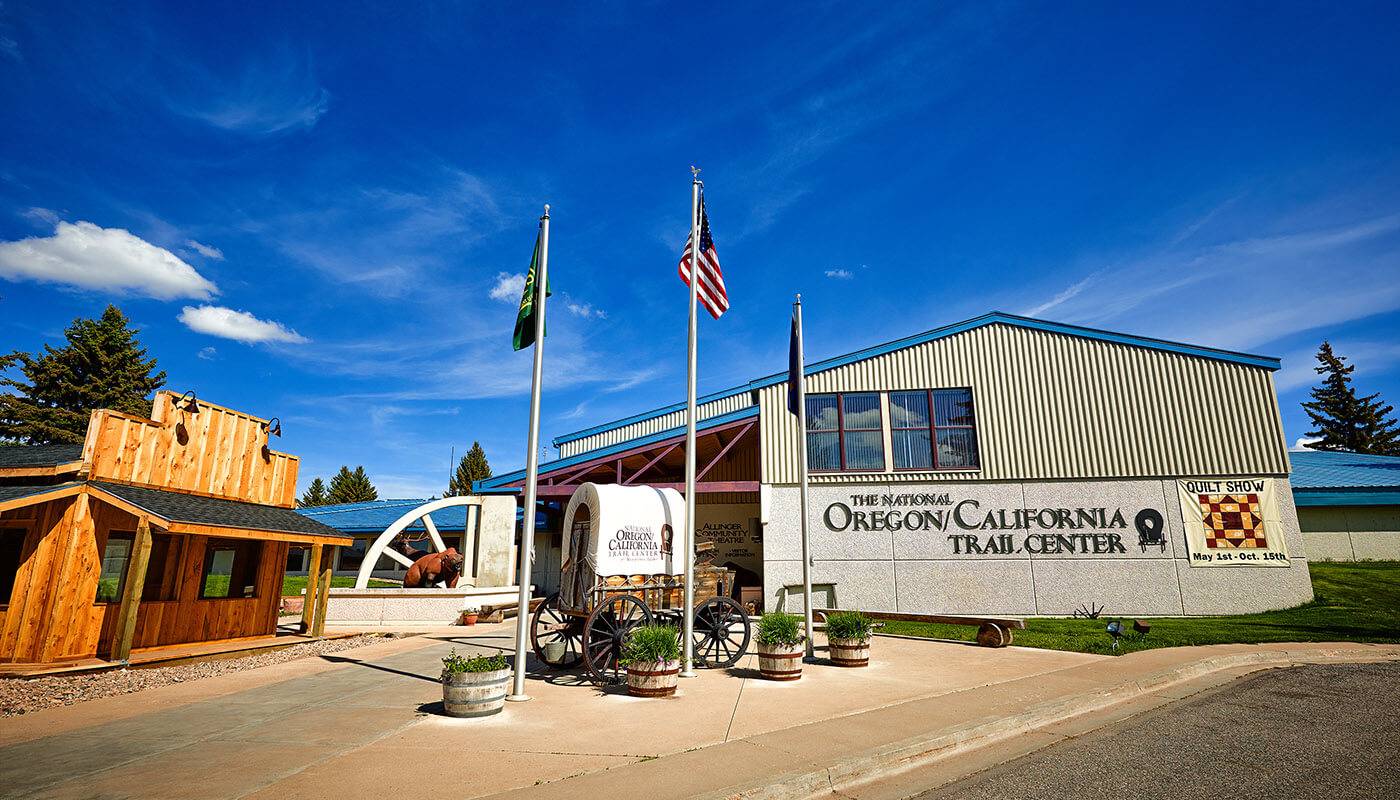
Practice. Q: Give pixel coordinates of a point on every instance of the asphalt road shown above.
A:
(1327, 731)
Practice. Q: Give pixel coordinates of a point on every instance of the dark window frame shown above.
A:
(9, 529)
(841, 435)
(933, 428)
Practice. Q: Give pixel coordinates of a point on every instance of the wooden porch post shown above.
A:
(313, 574)
(323, 593)
(135, 582)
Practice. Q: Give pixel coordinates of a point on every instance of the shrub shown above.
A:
(651, 643)
(776, 629)
(848, 625)
(455, 664)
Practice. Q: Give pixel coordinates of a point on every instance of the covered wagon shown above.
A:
(623, 566)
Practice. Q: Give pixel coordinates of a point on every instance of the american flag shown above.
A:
(710, 292)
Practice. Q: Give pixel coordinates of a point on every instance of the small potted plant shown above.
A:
(470, 615)
(652, 655)
(780, 646)
(474, 686)
(848, 638)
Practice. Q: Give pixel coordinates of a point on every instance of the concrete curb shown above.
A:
(921, 751)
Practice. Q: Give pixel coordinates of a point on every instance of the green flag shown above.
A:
(525, 320)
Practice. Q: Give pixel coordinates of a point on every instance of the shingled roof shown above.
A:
(194, 509)
(39, 455)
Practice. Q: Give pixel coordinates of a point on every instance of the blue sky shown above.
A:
(320, 211)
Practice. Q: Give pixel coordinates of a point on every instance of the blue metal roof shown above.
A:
(376, 515)
(993, 318)
(1325, 478)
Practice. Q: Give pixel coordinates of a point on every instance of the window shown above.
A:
(933, 430)
(11, 554)
(844, 432)
(230, 569)
(115, 555)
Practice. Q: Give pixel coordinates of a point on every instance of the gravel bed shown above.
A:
(25, 695)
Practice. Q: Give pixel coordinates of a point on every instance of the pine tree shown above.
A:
(102, 365)
(315, 495)
(351, 487)
(1344, 421)
(472, 467)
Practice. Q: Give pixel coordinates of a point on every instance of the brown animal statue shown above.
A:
(430, 569)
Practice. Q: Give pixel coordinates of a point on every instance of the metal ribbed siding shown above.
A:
(664, 422)
(1052, 406)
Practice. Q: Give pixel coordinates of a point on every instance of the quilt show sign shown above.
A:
(1232, 522)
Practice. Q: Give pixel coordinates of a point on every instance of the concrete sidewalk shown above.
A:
(362, 723)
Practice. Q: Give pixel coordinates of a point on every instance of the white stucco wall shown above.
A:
(1351, 533)
(922, 572)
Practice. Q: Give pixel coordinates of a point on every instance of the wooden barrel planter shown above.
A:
(474, 694)
(653, 678)
(849, 652)
(778, 663)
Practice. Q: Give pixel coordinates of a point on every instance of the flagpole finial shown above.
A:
(695, 172)
(799, 298)
(546, 211)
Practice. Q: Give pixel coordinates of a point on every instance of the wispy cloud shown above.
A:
(585, 310)
(1247, 291)
(273, 94)
(241, 326)
(840, 274)
(86, 256)
(207, 353)
(43, 217)
(206, 250)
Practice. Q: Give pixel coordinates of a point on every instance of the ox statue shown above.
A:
(430, 569)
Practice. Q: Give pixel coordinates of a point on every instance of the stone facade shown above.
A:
(961, 548)
(1351, 533)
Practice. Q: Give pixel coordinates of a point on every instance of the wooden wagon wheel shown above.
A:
(548, 625)
(721, 632)
(605, 631)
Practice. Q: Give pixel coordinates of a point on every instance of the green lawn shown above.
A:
(1356, 602)
(292, 585)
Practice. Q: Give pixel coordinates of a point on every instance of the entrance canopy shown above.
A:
(727, 462)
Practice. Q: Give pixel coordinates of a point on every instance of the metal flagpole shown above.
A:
(687, 607)
(532, 472)
(802, 467)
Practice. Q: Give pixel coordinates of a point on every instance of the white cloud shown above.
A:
(585, 310)
(237, 325)
(840, 274)
(508, 287)
(1059, 299)
(207, 353)
(206, 250)
(1303, 442)
(91, 257)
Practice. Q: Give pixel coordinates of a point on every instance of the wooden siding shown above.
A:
(217, 452)
(52, 614)
(1052, 406)
(646, 427)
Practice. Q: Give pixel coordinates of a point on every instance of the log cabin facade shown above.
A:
(154, 532)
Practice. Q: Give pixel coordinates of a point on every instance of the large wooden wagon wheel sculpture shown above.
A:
(383, 544)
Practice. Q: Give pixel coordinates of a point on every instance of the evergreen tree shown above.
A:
(1344, 421)
(315, 495)
(102, 365)
(351, 487)
(472, 467)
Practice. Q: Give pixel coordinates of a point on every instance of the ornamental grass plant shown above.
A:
(651, 643)
(776, 629)
(848, 625)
